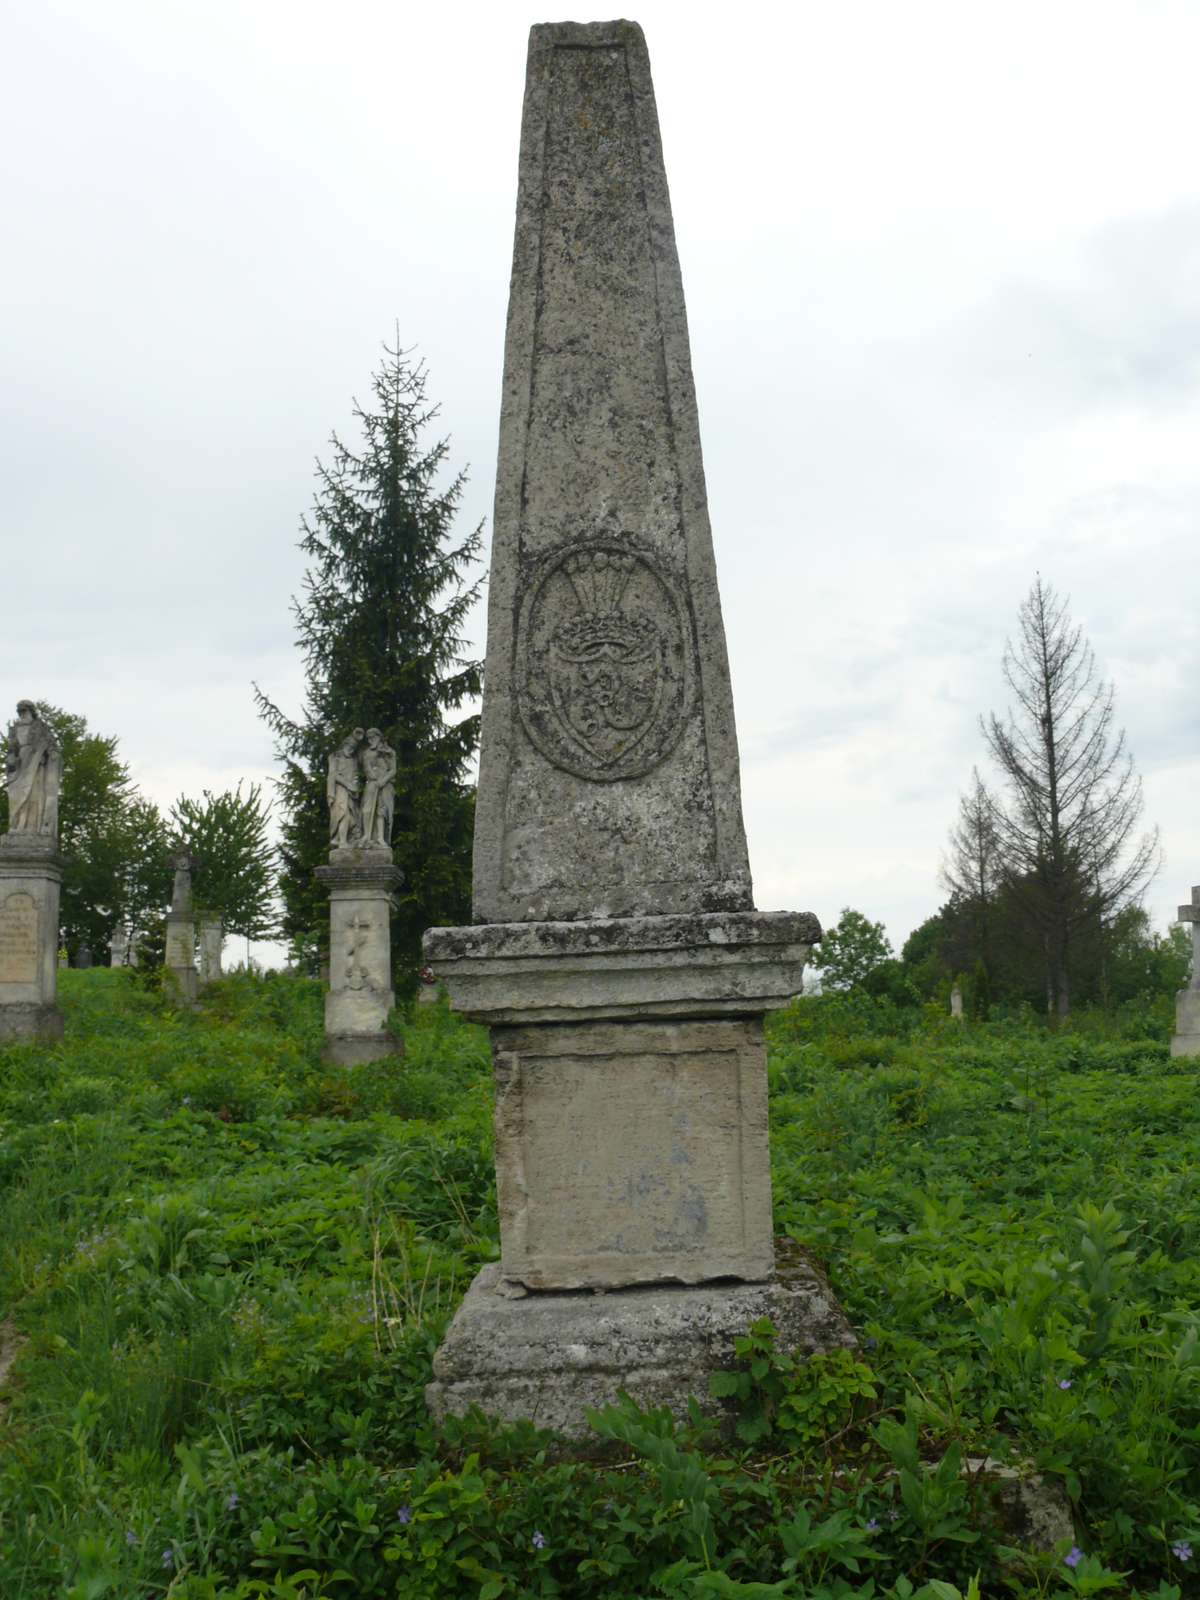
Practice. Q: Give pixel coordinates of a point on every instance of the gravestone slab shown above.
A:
(617, 956)
(180, 956)
(212, 943)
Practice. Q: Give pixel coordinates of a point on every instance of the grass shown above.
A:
(230, 1266)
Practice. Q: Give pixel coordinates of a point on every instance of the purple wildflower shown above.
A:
(231, 1500)
(1073, 1556)
(168, 1557)
(873, 1525)
(1064, 1383)
(1182, 1550)
(539, 1540)
(130, 1536)
(404, 1516)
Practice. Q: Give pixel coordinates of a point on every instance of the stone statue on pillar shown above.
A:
(30, 881)
(33, 775)
(360, 788)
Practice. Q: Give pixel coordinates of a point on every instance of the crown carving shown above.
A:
(599, 578)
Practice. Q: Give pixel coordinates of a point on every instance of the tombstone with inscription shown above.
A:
(212, 943)
(361, 880)
(617, 957)
(956, 1003)
(1186, 1039)
(180, 960)
(30, 881)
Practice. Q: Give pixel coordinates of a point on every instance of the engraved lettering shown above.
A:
(18, 939)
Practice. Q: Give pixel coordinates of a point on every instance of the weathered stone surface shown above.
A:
(551, 1358)
(632, 1153)
(360, 882)
(1186, 1039)
(729, 963)
(32, 776)
(608, 782)
(30, 885)
(212, 943)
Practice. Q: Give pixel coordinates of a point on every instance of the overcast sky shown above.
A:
(942, 265)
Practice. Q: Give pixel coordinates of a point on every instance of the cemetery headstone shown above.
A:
(30, 881)
(180, 960)
(1186, 1039)
(361, 880)
(956, 1005)
(212, 943)
(617, 957)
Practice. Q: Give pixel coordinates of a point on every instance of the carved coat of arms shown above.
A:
(604, 661)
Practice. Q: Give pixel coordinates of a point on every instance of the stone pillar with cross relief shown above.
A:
(1186, 1039)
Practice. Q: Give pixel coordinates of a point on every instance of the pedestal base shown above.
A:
(30, 882)
(182, 979)
(17, 1021)
(552, 1357)
(348, 1049)
(360, 996)
(1185, 1041)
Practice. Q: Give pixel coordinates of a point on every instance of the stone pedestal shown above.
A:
(552, 1358)
(631, 1151)
(180, 958)
(30, 883)
(212, 942)
(1185, 1041)
(361, 882)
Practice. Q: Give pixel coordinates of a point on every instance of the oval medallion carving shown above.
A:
(604, 660)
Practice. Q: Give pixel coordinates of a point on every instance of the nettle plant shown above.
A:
(804, 1400)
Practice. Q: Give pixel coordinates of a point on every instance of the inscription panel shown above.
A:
(19, 948)
(181, 947)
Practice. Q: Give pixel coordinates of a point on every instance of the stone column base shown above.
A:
(30, 883)
(361, 883)
(1186, 1039)
(19, 1021)
(553, 1357)
(182, 979)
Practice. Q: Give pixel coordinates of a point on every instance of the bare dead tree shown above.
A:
(1066, 831)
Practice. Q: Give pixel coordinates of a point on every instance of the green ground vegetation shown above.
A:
(224, 1270)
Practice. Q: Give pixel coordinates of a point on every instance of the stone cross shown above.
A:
(616, 954)
(1191, 913)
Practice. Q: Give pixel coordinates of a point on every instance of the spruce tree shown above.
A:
(380, 625)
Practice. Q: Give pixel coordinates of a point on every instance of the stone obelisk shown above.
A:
(617, 957)
(1185, 1041)
(31, 872)
(180, 958)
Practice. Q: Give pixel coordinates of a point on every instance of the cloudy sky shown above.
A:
(942, 264)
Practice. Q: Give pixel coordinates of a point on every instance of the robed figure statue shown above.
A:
(361, 790)
(33, 774)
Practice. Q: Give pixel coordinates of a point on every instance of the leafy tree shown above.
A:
(381, 629)
(234, 876)
(107, 834)
(1066, 826)
(850, 952)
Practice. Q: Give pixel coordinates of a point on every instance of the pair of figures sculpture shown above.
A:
(361, 790)
(32, 774)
